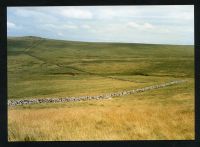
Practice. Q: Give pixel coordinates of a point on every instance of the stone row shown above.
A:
(15, 102)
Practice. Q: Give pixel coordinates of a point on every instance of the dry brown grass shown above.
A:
(141, 122)
(133, 117)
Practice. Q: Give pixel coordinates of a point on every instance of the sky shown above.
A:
(132, 24)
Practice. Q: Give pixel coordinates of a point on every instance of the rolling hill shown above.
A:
(35, 62)
(47, 68)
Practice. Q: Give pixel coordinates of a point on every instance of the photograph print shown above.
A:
(84, 73)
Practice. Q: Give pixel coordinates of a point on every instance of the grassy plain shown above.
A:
(40, 67)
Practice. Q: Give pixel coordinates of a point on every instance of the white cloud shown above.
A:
(67, 26)
(41, 15)
(10, 24)
(23, 12)
(51, 26)
(133, 23)
(28, 12)
(59, 26)
(186, 16)
(60, 34)
(140, 26)
(148, 26)
(106, 14)
(76, 13)
(85, 26)
(116, 12)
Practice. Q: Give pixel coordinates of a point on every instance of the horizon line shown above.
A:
(99, 41)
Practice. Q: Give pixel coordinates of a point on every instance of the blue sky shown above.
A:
(135, 24)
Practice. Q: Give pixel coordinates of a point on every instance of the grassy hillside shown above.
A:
(43, 67)
(39, 67)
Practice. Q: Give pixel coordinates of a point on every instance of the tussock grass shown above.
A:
(159, 114)
(102, 123)
(123, 123)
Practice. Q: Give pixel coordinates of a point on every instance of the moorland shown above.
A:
(43, 68)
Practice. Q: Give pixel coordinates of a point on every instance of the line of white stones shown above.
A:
(15, 102)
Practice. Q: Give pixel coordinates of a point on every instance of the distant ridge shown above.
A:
(25, 37)
(74, 41)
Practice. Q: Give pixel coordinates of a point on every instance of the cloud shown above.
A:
(185, 13)
(106, 14)
(51, 26)
(60, 34)
(133, 25)
(59, 26)
(143, 26)
(23, 12)
(67, 26)
(41, 15)
(147, 26)
(11, 25)
(76, 13)
(85, 26)
(155, 24)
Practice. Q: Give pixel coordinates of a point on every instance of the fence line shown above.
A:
(15, 102)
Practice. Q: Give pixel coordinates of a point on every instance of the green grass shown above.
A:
(39, 67)
(44, 67)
